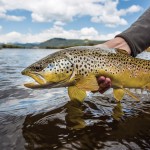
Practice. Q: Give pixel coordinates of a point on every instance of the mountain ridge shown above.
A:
(54, 43)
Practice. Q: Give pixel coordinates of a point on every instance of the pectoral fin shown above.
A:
(88, 83)
(118, 94)
(76, 94)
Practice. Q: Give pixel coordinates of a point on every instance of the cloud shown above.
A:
(131, 9)
(59, 23)
(4, 15)
(56, 31)
(110, 21)
(63, 11)
(11, 17)
(112, 17)
(10, 37)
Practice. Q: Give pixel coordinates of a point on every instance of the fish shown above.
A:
(77, 68)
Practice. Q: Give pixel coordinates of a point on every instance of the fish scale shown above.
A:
(78, 67)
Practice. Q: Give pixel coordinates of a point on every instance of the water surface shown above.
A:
(46, 119)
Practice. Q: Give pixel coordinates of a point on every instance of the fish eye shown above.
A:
(38, 67)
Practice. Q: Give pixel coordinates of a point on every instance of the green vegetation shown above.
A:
(55, 43)
(60, 43)
(10, 46)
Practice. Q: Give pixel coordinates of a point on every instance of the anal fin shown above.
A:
(76, 94)
(147, 87)
(132, 95)
(119, 93)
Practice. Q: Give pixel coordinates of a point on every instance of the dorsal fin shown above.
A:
(122, 51)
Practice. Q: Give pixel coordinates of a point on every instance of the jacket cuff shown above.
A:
(131, 45)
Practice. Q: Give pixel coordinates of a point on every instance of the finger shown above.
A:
(106, 83)
(105, 86)
(101, 79)
(102, 90)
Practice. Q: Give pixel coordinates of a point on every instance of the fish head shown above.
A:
(54, 70)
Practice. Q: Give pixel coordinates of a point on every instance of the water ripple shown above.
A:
(46, 119)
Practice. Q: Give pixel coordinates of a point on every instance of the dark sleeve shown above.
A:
(138, 35)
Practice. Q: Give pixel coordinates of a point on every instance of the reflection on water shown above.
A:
(83, 126)
(46, 119)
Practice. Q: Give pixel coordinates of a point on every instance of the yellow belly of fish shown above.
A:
(119, 83)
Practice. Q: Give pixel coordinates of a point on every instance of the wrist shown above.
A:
(119, 43)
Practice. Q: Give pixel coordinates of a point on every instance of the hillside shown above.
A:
(63, 43)
(54, 43)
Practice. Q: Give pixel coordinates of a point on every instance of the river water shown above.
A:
(46, 119)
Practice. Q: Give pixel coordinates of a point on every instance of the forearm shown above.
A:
(138, 35)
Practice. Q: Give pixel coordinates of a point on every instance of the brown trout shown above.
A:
(78, 68)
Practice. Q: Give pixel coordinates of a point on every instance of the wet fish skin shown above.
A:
(78, 67)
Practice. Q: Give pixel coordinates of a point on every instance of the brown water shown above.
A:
(46, 119)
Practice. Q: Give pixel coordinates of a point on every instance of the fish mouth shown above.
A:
(40, 82)
(38, 78)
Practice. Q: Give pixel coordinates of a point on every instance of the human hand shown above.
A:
(118, 42)
(104, 84)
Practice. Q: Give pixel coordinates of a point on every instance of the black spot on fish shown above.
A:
(77, 66)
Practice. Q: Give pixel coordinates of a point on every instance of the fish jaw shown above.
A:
(39, 80)
(32, 85)
(47, 80)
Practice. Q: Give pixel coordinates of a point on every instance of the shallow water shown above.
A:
(46, 119)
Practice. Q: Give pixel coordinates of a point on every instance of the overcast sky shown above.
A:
(40, 20)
